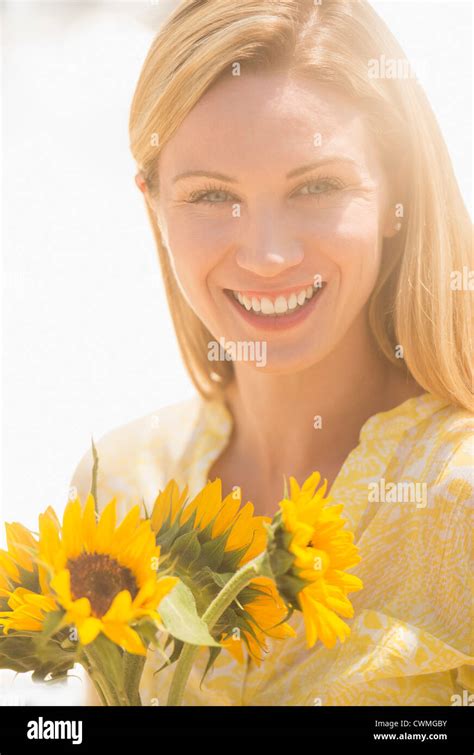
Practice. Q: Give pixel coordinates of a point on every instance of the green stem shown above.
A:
(220, 603)
(111, 695)
(105, 692)
(97, 681)
(133, 669)
(95, 470)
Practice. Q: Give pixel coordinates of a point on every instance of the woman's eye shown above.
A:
(319, 187)
(219, 196)
(212, 197)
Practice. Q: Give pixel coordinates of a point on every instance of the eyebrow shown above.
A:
(292, 174)
(205, 173)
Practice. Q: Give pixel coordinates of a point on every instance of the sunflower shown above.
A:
(309, 553)
(103, 576)
(235, 534)
(27, 611)
(263, 613)
(17, 563)
(207, 540)
(24, 596)
(21, 546)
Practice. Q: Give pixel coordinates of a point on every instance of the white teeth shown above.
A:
(292, 301)
(301, 297)
(281, 305)
(267, 307)
(256, 304)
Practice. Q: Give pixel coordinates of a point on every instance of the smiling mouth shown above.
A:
(276, 306)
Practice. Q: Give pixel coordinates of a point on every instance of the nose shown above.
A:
(267, 248)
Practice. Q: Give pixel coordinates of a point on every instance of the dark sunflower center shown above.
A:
(99, 577)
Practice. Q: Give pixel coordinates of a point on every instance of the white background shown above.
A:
(88, 342)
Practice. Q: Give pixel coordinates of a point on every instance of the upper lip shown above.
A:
(274, 294)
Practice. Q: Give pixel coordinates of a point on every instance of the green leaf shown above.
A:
(219, 578)
(213, 654)
(177, 647)
(17, 653)
(213, 551)
(265, 568)
(108, 657)
(283, 539)
(168, 532)
(27, 652)
(271, 528)
(51, 623)
(281, 561)
(232, 559)
(291, 585)
(180, 617)
(186, 548)
(57, 671)
(147, 630)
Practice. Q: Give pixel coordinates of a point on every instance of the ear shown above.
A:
(395, 211)
(393, 221)
(141, 183)
(143, 186)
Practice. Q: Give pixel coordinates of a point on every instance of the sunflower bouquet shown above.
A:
(192, 573)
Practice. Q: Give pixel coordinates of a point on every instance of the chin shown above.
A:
(285, 362)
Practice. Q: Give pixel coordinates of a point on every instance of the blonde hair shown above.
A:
(412, 304)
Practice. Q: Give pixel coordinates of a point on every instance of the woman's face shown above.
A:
(273, 206)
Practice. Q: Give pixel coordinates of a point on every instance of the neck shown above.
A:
(282, 423)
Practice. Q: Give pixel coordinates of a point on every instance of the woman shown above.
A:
(309, 227)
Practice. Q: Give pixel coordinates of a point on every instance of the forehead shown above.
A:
(253, 119)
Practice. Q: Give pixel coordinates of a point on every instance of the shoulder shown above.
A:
(432, 455)
(435, 442)
(447, 521)
(447, 435)
(137, 457)
(443, 458)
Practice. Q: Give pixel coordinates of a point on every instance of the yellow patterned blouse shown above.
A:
(411, 639)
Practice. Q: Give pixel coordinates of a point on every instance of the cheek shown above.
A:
(351, 247)
(195, 249)
(198, 239)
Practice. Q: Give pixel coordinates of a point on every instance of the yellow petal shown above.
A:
(294, 489)
(241, 532)
(210, 501)
(162, 507)
(8, 566)
(227, 514)
(72, 529)
(81, 608)
(178, 500)
(61, 584)
(163, 587)
(153, 591)
(89, 524)
(121, 608)
(106, 527)
(49, 539)
(234, 647)
(125, 637)
(21, 544)
(88, 629)
(125, 529)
